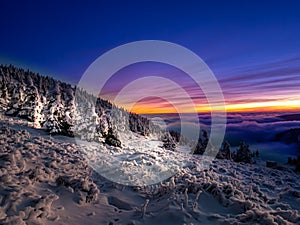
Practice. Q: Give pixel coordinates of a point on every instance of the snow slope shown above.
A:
(48, 180)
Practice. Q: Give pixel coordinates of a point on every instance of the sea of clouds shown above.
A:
(256, 129)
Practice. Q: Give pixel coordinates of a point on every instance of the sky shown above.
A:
(252, 47)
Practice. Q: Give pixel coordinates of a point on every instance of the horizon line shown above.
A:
(227, 111)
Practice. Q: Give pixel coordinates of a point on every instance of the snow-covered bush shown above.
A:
(243, 154)
(224, 152)
(202, 143)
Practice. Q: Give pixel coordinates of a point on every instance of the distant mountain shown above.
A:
(289, 136)
(290, 117)
(50, 104)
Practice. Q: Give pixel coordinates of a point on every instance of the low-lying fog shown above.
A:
(262, 131)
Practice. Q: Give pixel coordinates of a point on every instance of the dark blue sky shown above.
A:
(235, 38)
(63, 38)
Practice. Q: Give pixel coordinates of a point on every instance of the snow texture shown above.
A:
(46, 180)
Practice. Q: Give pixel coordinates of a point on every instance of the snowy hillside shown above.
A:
(51, 105)
(46, 180)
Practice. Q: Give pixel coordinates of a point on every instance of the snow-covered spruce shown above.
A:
(50, 104)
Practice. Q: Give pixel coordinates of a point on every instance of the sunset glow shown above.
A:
(272, 106)
(288, 105)
(258, 88)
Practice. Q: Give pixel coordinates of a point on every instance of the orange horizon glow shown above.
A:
(270, 106)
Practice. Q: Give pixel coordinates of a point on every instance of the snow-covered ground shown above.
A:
(50, 180)
(141, 160)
